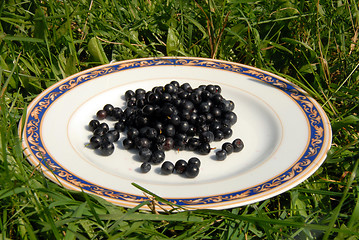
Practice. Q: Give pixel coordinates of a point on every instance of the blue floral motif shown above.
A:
(32, 127)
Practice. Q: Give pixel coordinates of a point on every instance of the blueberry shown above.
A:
(194, 161)
(132, 133)
(228, 147)
(221, 155)
(192, 171)
(193, 143)
(237, 145)
(145, 167)
(169, 130)
(204, 149)
(107, 148)
(111, 136)
(99, 131)
(95, 141)
(206, 137)
(101, 114)
(145, 154)
(168, 144)
(93, 124)
(128, 143)
(148, 109)
(175, 119)
(169, 88)
(108, 109)
(142, 143)
(180, 166)
(167, 168)
(231, 117)
(218, 135)
(183, 126)
(104, 126)
(120, 126)
(140, 91)
(116, 113)
(187, 105)
(227, 132)
(171, 116)
(129, 94)
(204, 107)
(150, 133)
(157, 157)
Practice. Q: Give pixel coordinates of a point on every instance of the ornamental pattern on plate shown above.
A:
(316, 124)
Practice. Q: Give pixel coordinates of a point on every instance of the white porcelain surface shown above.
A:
(275, 129)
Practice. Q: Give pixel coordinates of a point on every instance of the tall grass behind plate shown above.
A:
(312, 43)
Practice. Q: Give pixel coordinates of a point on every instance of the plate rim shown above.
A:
(217, 201)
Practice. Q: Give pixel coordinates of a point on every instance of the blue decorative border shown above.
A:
(35, 115)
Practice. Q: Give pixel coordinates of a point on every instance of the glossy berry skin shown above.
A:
(128, 143)
(227, 132)
(120, 126)
(231, 117)
(204, 149)
(192, 171)
(238, 145)
(101, 114)
(180, 166)
(145, 154)
(193, 144)
(221, 155)
(168, 144)
(116, 113)
(103, 126)
(107, 148)
(112, 135)
(99, 131)
(143, 143)
(169, 130)
(167, 168)
(108, 108)
(95, 141)
(218, 135)
(168, 117)
(129, 94)
(145, 167)
(93, 124)
(228, 147)
(194, 161)
(206, 136)
(132, 133)
(157, 157)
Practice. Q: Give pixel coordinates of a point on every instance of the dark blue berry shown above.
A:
(238, 145)
(107, 148)
(145, 154)
(95, 141)
(128, 143)
(93, 124)
(228, 147)
(101, 114)
(167, 168)
(180, 166)
(194, 161)
(157, 157)
(221, 155)
(227, 132)
(192, 171)
(145, 167)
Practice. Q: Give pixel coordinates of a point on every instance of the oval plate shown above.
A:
(286, 135)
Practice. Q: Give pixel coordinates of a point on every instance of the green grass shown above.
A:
(312, 43)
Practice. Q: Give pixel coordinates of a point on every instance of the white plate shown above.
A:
(286, 134)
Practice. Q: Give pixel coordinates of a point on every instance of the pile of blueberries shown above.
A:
(168, 117)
